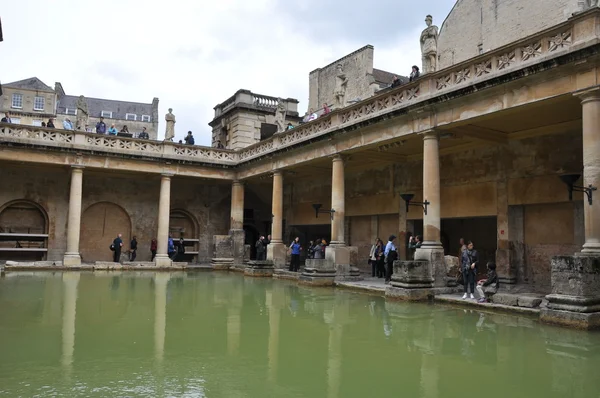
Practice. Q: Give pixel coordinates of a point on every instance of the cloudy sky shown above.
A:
(194, 54)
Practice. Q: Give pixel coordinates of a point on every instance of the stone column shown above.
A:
(237, 222)
(72, 257)
(506, 268)
(338, 202)
(590, 102)
(276, 249)
(431, 190)
(237, 205)
(431, 249)
(164, 211)
(401, 242)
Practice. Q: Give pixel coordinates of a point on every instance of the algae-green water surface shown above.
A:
(206, 334)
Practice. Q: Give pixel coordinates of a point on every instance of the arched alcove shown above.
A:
(100, 224)
(23, 231)
(182, 224)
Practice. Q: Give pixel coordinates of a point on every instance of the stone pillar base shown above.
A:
(339, 257)
(576, 320)
(162, 261)
(411, 281)
(261, 269)
(222, 264)
(434, 254)
(276, 252)
(319, 272)
(405, 294)
(238, 237)
(575, 297)
(71, 260)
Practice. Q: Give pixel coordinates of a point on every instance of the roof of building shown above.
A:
(384, 77)
(97, 105)
(33, 83)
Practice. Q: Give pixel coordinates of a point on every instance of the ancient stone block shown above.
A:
(222, 246)
(529, 301)
(412, 274)
(276, 252)
(319, 272)
(506, 299)
(437, 262)
(259, 269)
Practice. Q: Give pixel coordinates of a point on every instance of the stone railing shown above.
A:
(577, 33)
(29, 135)
(549, 44)
(261, 102)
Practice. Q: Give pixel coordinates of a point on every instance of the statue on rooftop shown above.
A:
(170, 130)
(280, 113)
(590, 4)
(82, 113)
(429, 39)
(341, 81)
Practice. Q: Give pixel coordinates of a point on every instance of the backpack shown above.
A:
(112, 247)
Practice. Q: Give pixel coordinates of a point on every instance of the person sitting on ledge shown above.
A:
(489, 286)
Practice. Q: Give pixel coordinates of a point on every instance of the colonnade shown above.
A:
(590, 100)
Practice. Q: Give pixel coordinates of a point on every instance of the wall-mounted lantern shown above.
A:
(408, 197)
(317, 207)
(569, 180)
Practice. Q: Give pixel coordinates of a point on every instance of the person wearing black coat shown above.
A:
(469, 262)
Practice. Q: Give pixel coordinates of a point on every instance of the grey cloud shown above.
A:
(377, 23)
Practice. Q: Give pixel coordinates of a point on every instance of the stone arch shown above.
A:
(100, 224)
(183, 224)
(24, 217)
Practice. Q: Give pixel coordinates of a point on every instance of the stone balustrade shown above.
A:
(476, 74)
(81, 141)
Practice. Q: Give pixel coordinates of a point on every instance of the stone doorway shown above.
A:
(183, 225)
(100, 224)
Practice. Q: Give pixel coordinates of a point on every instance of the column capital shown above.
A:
(167, 175)
(78, 167)
(237, 182)
(338, 157)
(277, 172)
(430, 135)
(588, 94)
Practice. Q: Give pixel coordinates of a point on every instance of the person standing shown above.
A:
(50, 123)
(470, 259)
(373, 259)
(6, 118)
(101, 126)
(153, 248)
(296, 249)
(67, 125)
(189, 139)
(112, 130)
(379, 259)
(117, 244)
(144, 134)
(261, 249)
(133, 249)
(181, 250)
(391, 254)
(463, 247)
(171, 252)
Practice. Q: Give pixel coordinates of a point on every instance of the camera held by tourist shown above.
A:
(489, 286)
(469, 260)
(296, 249)
(391, 255)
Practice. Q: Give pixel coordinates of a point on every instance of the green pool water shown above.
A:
(222, 335)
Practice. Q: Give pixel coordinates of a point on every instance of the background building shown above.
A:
(29, 101)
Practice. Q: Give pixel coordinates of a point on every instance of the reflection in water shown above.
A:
(223, 335)
(70, 282)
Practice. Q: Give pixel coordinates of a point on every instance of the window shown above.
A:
(15, 120)
(38, 104)
(70, 111)
(37, 123)
(107, 114)
(17, 101)
(131, 116)
(146, 118)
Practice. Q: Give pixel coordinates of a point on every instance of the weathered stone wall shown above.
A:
(136, 195)
(490, 24)
(358, 67)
